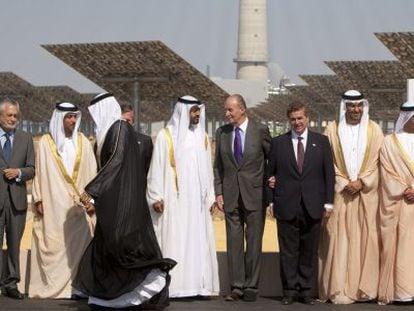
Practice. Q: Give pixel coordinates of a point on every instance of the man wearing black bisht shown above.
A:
(123, 266)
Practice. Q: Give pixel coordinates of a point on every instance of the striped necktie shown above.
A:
(301, 154)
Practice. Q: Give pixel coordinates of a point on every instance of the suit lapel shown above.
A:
(229, 142)
(310, 145)
(1, 153)
(247, 139)
(291, 151)
(16, 141)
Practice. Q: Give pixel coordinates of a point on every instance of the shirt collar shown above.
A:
(2, 132)
(243, 126)
(304, 134)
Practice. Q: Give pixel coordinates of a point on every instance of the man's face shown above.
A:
(129, 117)
(194, 115)
(69, 122)
(409, 125)
(235, 113)
(353, 113)
(299, 121)
(9, 117)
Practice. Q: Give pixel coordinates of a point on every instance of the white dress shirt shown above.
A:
(295, 141)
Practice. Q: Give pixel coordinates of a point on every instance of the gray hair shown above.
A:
(9, 101)
(240, 100)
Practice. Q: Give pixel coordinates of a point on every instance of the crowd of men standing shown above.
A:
(129, 224)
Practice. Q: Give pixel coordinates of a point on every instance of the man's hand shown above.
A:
(328, 212)
(39, 208)
(353, 187)
(213, 207)
(158, 206)
(409, 195)
(272, 182)
(11, 173)
(220, 202)
(90, 209)
(269, 210)
(85, 198)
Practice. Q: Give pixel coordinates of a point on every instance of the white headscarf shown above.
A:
(403, 118)
(66, 146)
(56, 128)
(406, 113)
(353, 96)
(179, 125)
(105, 111)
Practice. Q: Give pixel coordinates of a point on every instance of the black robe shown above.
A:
(124, 248)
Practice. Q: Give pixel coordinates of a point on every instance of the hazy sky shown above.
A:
(301, 33)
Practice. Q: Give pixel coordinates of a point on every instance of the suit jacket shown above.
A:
(23, 158)
(246, 179)
(315, 186)
(145, 147)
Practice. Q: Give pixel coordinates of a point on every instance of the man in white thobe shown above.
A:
(180, 195)
(65, 163)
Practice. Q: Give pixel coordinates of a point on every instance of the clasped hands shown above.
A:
(85, 199)
(11, 173)
(353, 187)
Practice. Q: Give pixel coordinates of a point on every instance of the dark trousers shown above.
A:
(244, 267)
(12, 222)
(298, 243)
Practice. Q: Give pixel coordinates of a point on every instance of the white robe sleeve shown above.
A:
(211, 198)
(155, 178)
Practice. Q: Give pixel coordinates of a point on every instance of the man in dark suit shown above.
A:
(242, 149)
(17, 165)
(145, 144)
(302, 166)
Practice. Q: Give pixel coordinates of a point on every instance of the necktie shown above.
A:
(7, 148)
(237, 148)
(301, 154)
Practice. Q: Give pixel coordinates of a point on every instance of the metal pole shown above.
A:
(135, 100)
(319, 123)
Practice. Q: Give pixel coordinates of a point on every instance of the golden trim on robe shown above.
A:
(370, 131)
(70, 180)
(171, 154)
(406, 157)
(341, 160)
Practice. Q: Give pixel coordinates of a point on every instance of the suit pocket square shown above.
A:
(313, 145)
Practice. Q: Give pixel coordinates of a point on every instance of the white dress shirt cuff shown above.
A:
(19, 177)
(328, 206)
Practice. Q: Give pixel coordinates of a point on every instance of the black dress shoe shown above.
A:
(307, 301)
(95, 307)
(12, 292)
(232, 297)
(286, 300)
(249, 295)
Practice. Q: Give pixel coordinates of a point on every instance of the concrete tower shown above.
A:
(252, 50)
